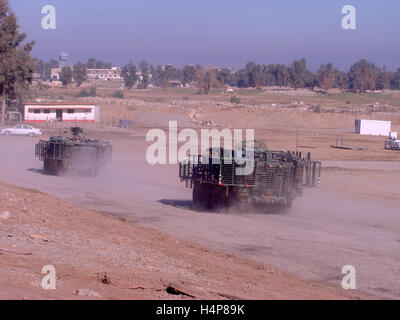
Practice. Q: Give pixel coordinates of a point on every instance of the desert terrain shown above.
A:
(132, 233)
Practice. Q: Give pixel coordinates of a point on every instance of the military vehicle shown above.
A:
(392, 144)
(61, 154)
(277, 179)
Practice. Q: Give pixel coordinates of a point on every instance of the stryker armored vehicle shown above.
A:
(277, 178)
(61, 154)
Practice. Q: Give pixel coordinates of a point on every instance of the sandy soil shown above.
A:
(352, 219)
(101, 257)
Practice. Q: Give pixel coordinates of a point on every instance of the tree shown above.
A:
(79, 73)
(92, 63)
(206, 79)
(129, 73)
(254, 74)
(170, 72)
(362, 76)
(144, 83)
(224, 76)
(242, 78)
(159, 78)
(66, 76)
(144, 69)
(282, 76)
(297, 73)
(144, 66)
(16, 65)
(383, 79)
(326, 76)
(395, 81)
(341, 80)
(188, 74)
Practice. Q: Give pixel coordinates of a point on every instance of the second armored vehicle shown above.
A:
(276, 180)
(61, 154)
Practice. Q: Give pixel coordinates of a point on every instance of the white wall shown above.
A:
(373, 127)
(78, 115)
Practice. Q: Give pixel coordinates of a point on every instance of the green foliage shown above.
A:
(129, 73)
(79, 73)
(16, 65)
(326, 76)
(297, 73)
(119, 94)
(363, 75)
(188, 74)
(145, 81)
(92, 63)
(66, 76)
(85, 93)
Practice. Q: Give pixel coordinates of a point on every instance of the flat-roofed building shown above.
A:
(104, 74)
(65, 112)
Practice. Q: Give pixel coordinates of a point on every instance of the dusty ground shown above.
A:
(112, 259)
(352, 219)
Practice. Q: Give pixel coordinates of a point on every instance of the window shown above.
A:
(46, 110)
(36, 110)
(70, 111)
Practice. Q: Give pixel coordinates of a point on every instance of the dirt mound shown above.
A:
(101, 257)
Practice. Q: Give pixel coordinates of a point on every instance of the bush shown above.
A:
(234, 99)
(85, 93)
(118, 94)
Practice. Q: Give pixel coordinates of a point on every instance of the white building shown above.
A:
(104, 74)
(66, 112)
(373, 127)
(55, 73)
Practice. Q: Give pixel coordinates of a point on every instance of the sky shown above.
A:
(221, 33)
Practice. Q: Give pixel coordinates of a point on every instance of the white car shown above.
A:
(22, 130)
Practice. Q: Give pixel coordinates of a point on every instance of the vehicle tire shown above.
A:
(46, 166)
(209, 196)
(7, 133)
(31, 134)
(196, 196)
(58, 168)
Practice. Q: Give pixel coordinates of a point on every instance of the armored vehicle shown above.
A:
(392, 144)
(61, 154)
(276, 179)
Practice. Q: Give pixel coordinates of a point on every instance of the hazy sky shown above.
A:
(215, 32)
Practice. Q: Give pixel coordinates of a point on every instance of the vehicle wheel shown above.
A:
(7, 133)
(289, 204)
(31, 134)
(210, 197)
(46, 166)
(196, 196)
(58, 168)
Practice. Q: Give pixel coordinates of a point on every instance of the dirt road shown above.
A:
(326, 229)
